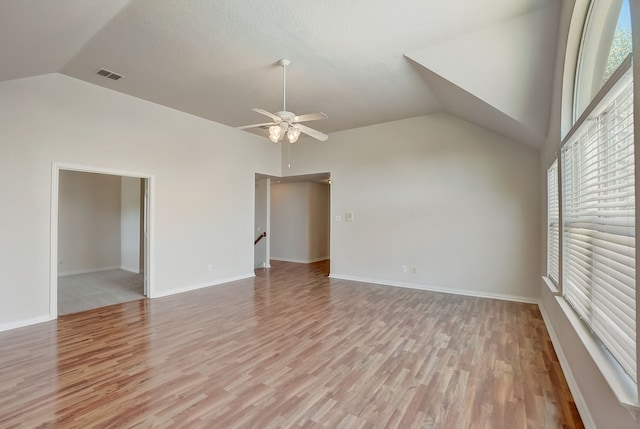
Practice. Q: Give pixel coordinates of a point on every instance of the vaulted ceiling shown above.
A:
(361, 61)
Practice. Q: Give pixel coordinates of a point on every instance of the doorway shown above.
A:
(262, 233)
(297, 217)
(100, 246)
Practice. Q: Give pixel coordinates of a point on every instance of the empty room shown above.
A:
(408, 214)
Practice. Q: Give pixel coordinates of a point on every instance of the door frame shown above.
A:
(148, 213)
(267, 220)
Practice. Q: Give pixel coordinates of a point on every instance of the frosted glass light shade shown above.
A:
(293, 134)
(275, 133)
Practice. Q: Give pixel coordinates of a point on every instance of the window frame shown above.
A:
(591, 55)
(626, 391)
(553, 174)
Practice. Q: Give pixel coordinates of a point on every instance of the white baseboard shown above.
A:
(135, 270)
(92, 270)
(464, 292)
(301, 261)
(581, 404)
(23, 323)
(262, 265)
(202, 285)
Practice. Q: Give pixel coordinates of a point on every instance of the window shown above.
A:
(620, 46)
(606, 43)
(598, 186)
(553, 223)
(598, 175)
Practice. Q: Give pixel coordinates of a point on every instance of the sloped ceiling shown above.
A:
(362, 62)
(506, 66)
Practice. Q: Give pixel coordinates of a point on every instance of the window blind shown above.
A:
(553, 223)
(599, 223)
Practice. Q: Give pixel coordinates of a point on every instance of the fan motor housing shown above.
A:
(284, 115)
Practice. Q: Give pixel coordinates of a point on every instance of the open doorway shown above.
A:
(100, 238)
(261, 247)
(297, 218)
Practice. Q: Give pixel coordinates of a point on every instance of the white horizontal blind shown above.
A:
(553, 223)
(599, 224)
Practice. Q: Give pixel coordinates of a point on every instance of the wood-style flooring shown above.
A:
(288, 349)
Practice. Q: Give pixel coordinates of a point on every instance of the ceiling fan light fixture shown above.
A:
(285, 122)
(292, 134)
(275, 133)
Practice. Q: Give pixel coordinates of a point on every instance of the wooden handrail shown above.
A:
(260, 237)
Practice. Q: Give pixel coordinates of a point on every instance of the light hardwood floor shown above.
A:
(290, 349)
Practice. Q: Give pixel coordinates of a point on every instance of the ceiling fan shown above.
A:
(285, 122)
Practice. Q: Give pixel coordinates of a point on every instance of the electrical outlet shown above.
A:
(404, 268)
(210, 267)
(415, 270)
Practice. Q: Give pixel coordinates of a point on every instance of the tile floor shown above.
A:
(82, 292)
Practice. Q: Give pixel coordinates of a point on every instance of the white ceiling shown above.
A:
(316, 178)
(360, 61)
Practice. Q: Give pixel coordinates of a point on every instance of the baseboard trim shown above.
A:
(262, 266)
(23, 323)
(301, 261)
(465, 292)
(581, 404)
(202, 285)
(130, 269)
(92, 270)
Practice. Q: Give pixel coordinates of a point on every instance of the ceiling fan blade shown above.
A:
(311, 132)
(275, 118)
(266, 124)
(310, 117)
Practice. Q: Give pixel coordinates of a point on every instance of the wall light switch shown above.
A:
(348, 217)
(338, 219)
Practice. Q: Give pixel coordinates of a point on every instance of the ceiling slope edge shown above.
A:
(458, 102)
(507, 67)
(39, 37)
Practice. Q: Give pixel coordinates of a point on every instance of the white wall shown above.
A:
(458, 202)
(88, 222)
(130, 212)
(289, 221)
(596, 401)
(202, 184)
(319, 226)
(261, 250)
(299, 227)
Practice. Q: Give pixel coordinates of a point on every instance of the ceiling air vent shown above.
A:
(109, 74)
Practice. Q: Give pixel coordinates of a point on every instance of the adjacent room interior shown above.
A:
(292, 220)
(101, 224)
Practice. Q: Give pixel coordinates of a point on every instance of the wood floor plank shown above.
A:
(290, 348)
